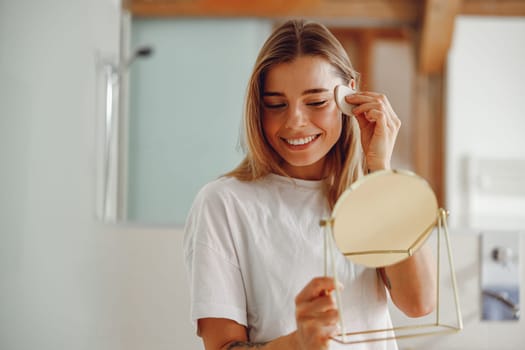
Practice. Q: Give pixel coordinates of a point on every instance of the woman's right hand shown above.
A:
(316, 314)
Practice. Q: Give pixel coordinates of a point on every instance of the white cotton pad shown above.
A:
(340, 92)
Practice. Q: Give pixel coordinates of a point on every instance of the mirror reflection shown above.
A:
(183, 105)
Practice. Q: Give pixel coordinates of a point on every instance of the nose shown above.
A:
(296, 118)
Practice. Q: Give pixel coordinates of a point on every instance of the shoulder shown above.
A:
(215, 213)
(225, 198)
(224, 190)
(232, 191)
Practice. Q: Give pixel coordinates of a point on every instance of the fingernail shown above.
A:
(340, 286)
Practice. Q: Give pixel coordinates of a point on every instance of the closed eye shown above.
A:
(274, 105)
(317, 103)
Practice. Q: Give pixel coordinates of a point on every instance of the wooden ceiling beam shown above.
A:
(401, 33)
(215, 8)
(436, 34)
(493, 7)
(404, 11)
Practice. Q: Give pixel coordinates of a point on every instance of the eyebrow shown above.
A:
(305, 92)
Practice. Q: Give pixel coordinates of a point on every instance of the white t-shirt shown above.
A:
(251, 247)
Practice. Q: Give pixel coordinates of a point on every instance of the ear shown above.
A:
(352, 84)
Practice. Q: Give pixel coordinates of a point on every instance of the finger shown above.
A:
(383, 100)
(377, 117)
(358, 98)
(362, 121)
(362, 108)
(315, 288)
(395, 124)
(315, 307)
(375, 95)
(368, 96)
(328, 318)
(321, 326)
(387, 121)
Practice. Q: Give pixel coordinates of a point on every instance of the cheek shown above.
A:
(270, 125)
(269, 128)
(331, 122)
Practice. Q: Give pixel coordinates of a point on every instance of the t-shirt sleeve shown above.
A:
(215, 279)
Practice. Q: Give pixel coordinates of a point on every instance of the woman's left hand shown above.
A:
(379, 126)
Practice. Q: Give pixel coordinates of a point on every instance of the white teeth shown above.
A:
(300, 141)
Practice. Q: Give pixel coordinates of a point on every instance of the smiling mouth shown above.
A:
(301, 141)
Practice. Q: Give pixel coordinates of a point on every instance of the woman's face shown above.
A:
(300, 118)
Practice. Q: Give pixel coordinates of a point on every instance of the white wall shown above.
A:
(485, 114)
(67, 281)
(485, 118)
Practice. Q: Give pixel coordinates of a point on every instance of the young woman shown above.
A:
(253, 244)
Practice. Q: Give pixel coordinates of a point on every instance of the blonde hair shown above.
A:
(294, 38)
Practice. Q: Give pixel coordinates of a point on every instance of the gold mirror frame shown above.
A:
(410, 213)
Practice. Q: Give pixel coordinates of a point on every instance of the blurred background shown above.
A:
(103, 148)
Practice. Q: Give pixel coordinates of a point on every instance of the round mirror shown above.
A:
(384, 217)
